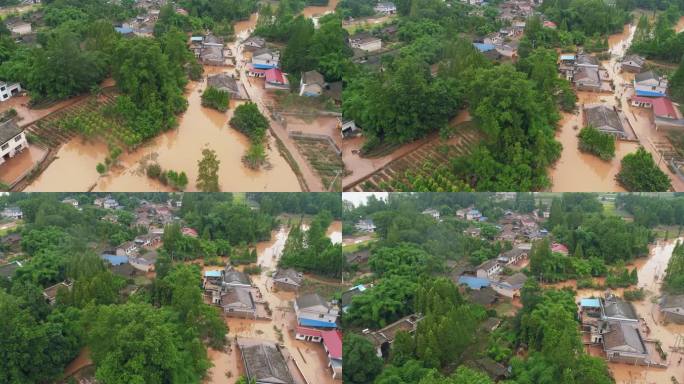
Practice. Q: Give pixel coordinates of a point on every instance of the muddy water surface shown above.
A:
(313, 11)
(651, 271)
(335, 232)
(179, 149)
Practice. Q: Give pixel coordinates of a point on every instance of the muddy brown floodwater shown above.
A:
(179, 149)
(650, 271)
(310, 357)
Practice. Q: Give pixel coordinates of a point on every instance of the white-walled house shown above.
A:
(387, 8)
(314, 311)
(12, 140)
(265, 59)
(650, 84)
(312, 84)
(8, 90)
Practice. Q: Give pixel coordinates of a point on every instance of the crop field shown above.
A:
(425, 169)
(323, 159)
(85, 118)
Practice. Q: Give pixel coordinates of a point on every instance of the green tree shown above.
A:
(640, 173)
(207, 177)
(361, 363)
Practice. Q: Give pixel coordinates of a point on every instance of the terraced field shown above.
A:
(81, 118)
(426, 168)
(324, 160)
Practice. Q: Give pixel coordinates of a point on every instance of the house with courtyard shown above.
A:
(605, 119)
(365, 42)
(649, 84)
(622, 342)
(312, 84)
(8, 90)
(238, 302)
(586, 79)
(126, 249)
(264, 362)
(227, 83)
(265, 58)
(287, 279)
(672, 308)
(314, 311)
(488, 269)
(614, 308)
(12, 140)
(632, 63)
(385, 8)
(510, 286)
(382, 339)
(144, 262)
(12, 213)
(50, 293)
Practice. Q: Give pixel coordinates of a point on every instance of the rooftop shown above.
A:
(264, 363)
(8, 130)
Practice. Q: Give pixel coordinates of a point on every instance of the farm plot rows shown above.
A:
(425, 169)
(324, 160)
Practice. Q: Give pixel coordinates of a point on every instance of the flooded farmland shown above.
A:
(179, 150)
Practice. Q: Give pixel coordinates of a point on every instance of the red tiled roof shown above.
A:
(189, 232)
(275, 76)
(560, 248)
(333, 342)
(662, 106)
(308, 332)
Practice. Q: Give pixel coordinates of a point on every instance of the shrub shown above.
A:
(101, 168)
(640, 173)
(249, 120)
(255, 156)
(153, 171)
(213, 98)
(596, 142)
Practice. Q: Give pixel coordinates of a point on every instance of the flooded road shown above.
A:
(650, 271)
(309, 357)
(179, 150)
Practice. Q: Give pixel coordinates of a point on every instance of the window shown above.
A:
(18, 138)
(321, 316)
(4, 146)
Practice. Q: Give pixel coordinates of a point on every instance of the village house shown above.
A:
(18, 27)
(488, 269)
(50, 293)
(485, 297)
(7, 270)
(276, 79)
(109, 203)
(252, 44)
(147, 240)
(662, 107)
(265, 58)
(386, 8)
(365, 42)
(287, 279)
(586, 79)
(264, 362)
(332, 343)
(615, 309)
(312, 84)
(70, 201)
(432, 212)
(348, 128)
(210, 50)
(632, 63)
(12, 140)
(144, 262)
(672, 308)
(622, 342)
(238, 302)
(649, 84)
(515, 255)
(473, 214)
(227, 83)
(348, 295)
(112, 258)
(126, 249)
(190, 232)
(510, 286)
(313, 311)
(13, 213)
(359, 257)
(383, 338)
(559, 248)
(234, 278)
(605, 119)
(365, 225)
(7, 90)
(494, 370)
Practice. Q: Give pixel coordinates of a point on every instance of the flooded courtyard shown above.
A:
(310, 358)
(651, 271)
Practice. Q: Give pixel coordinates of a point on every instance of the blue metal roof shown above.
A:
(316, 323)
(212, 273)
(567, 57)
(114, 259)
(197, 38)
(124, 31)
(484, 47)
(590, 303)
(473, 282)
(649, 93)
